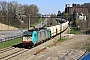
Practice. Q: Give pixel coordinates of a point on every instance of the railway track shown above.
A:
(6, 49)
(12, 53)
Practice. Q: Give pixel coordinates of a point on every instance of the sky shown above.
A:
(50, 6)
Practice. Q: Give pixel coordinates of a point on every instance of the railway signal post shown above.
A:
(29, 22)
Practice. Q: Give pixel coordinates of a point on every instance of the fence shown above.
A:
(9, 38)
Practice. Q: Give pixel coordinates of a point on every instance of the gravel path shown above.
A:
(70, 49)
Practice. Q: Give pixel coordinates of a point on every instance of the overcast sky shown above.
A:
(50, 6)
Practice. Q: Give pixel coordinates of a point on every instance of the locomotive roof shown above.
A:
(36, 29)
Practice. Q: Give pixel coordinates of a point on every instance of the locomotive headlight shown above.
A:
(27, 39)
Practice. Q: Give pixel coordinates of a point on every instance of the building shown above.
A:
(70, 9)
(81, 16)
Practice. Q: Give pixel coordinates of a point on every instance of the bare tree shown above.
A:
(33, 10)
(15, 14)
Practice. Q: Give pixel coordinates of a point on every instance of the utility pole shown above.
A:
(46, 20)
(60, 30)
(29, 22)
(41, 21)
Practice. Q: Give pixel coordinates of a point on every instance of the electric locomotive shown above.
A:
(31, 37)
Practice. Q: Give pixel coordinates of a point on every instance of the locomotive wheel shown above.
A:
(23, 45)
(31, 45)
(36, 44)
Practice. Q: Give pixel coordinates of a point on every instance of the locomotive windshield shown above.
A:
(27, 33)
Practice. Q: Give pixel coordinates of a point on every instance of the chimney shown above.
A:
(67, 5)
(73, 5)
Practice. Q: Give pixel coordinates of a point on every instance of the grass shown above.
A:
(10, 43)
(88, 48)
(63, 39)
(39, 21)
(74, 30)
(88, 45)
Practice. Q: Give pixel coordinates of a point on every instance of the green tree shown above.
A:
(66, 15)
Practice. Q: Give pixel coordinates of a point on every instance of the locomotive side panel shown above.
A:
(48, 33)
(42, 35)
(51, 30)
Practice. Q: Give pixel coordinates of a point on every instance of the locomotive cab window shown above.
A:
(27, 35)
